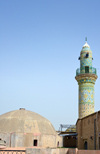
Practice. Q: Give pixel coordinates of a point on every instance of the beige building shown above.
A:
(22, 128)
(88, 130)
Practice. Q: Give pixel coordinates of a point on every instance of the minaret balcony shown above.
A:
(86, 70)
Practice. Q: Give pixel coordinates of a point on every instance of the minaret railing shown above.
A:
(92, 70)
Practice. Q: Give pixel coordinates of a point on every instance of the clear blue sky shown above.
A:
(40, 42)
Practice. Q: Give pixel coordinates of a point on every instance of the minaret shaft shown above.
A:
(86, 99)
(86, 77)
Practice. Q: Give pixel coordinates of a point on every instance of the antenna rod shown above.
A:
(86, 39)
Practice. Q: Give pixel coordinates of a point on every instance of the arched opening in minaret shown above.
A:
(87, 55)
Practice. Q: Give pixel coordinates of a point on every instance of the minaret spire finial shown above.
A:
(86, 39)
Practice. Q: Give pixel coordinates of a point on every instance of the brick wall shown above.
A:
(88, 130)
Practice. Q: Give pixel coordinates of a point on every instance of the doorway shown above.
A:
(85, 145)
(86, 69)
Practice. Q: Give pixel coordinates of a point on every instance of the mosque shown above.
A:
(22, 128)
(88, 123)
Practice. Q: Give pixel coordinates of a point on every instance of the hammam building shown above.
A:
(22, 128)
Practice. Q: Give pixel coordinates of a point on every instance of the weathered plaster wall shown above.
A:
(27, 140)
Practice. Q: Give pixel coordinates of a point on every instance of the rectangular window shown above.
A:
(35, 142)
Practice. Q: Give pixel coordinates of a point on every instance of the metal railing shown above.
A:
(92, 70)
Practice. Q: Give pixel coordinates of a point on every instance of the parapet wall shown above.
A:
(88, 152)
(47, 151)
(60, 151)
(34, 150)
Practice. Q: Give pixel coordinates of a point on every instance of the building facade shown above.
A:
(88, 130)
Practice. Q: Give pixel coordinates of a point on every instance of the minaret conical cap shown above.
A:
(86, 45)
(86, 48)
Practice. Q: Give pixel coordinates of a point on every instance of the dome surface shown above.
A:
(24, 121)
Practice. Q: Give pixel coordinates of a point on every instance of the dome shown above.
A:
(23, 121)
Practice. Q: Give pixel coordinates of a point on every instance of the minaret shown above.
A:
(86, 76)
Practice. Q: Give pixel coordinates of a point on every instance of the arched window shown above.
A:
(87, 55)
